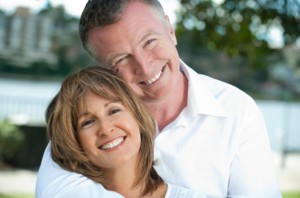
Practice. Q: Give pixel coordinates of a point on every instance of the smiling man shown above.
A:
(211, 135)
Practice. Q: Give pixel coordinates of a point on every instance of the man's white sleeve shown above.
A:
(252, 170)
(55, 182)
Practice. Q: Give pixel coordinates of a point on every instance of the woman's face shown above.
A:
(108, 132)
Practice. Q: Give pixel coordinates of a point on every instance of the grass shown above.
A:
(291, 194)
(16, 195)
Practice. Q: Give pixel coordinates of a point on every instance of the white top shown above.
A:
(218, 146)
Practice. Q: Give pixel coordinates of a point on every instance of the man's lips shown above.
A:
(154, 78)
(114, 143)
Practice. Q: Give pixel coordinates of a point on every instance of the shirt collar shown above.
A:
(201, 99)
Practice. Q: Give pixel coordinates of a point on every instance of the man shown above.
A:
(212, 136)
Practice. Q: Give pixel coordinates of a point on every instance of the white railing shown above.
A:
(22, 110)
(25, 101)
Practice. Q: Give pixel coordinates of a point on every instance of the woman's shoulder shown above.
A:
(174, 191)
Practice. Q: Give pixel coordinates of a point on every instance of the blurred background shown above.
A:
(252, 44)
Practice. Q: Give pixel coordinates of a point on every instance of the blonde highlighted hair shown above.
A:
(62, 117)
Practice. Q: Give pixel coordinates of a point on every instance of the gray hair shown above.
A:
(105, 12)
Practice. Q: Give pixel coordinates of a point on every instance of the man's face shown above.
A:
(141, 48)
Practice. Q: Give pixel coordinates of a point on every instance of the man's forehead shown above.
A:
(107, 44)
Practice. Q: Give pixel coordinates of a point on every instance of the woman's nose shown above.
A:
(105, 128)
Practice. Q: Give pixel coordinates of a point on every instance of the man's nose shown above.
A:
(143, 63)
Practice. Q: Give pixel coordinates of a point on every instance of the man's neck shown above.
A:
(168, 110)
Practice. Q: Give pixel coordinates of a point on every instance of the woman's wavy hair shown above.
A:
(62, 117)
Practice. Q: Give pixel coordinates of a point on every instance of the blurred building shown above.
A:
(26, 38)
(38, 47)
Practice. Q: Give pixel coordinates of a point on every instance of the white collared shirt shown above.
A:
(218, 145)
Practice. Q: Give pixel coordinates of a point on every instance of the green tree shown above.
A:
(238, 28)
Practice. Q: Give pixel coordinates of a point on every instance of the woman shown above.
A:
(99, 128)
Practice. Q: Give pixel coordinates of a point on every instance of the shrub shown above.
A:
(11, 139)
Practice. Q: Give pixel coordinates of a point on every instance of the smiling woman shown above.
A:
(99, 128)
(103, 136)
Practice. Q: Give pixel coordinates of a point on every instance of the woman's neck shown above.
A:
(122, 181)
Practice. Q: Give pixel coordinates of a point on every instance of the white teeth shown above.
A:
(113, 143)
(148, 82)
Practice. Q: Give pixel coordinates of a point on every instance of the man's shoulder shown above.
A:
(227, 95)
(217, 87)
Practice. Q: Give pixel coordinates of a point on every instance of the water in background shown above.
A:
(282, 120)
(25, 102)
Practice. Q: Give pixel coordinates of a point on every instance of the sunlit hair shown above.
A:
(62, 118)
(105, 12)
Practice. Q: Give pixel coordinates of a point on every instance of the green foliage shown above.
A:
(238, 28)
(291, 195)
(11, 139)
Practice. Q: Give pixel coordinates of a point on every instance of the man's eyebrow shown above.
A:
(149, 33)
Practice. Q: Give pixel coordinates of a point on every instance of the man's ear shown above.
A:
(171, 30)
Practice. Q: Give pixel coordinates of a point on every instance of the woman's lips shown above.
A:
(113, 143)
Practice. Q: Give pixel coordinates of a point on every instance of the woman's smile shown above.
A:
(113, 144)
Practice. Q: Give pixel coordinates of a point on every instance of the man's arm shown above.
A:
(252, 171)
(53, 181)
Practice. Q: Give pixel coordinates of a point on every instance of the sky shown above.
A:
(74, 9)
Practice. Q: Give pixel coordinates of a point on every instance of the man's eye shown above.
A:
(149, 41)
(87, 123)
(120, 60)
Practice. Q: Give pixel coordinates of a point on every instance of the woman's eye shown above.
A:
(114, 111)
(87, 123)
